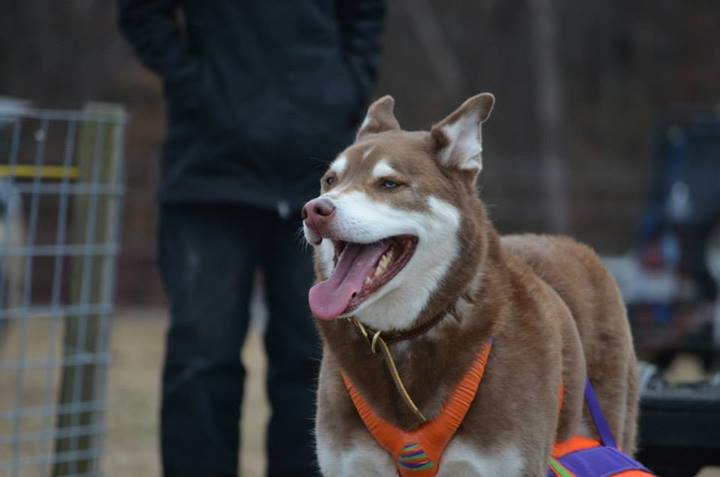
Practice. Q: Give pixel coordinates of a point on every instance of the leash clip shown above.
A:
(371, 341)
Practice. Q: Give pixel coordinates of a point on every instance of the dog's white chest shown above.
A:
(462, 459)
(363, 459)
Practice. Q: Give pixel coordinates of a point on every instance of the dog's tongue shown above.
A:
(328, 299)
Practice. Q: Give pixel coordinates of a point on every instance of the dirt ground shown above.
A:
(131, 445)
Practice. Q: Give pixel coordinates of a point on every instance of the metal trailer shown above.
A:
(61, 185)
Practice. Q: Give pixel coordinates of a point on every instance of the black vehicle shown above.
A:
(672, 295)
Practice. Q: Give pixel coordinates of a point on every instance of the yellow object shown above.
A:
(43, 172)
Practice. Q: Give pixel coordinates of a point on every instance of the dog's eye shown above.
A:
(388, 184)
(329, 181)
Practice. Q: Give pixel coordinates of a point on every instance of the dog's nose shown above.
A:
(318, 210)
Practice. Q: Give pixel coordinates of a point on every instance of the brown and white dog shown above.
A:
(400, 236)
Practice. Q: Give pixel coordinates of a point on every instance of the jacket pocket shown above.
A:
(326, 95)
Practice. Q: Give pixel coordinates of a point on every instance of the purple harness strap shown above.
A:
(604, 461)
(598, 417)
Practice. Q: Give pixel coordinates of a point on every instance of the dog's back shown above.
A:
(578, 276)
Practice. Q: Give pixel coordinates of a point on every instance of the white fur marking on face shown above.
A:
(399, 302)
(312, 237)
(464, 149)
(326, 253)
(367, 152)
(382, 169)
(462, 459)
(339, 165)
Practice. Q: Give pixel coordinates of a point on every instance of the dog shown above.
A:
(404, 249)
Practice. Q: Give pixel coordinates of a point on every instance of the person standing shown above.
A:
(259, 95)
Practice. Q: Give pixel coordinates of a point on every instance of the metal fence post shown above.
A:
(95, 218)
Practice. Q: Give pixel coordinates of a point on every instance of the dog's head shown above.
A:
(389, 223)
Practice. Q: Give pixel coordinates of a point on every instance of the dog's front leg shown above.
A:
(362, 458)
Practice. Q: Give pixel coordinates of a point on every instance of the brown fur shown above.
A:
(551, 308)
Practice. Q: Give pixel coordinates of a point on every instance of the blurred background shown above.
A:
(606, 127)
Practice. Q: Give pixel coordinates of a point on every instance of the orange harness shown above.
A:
(417, 453)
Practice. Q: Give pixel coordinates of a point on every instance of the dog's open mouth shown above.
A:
(360, 270)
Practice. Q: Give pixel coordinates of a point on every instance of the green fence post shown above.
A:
(95, 216)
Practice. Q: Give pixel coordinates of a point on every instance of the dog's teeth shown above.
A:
(382, 265)
(368, 279)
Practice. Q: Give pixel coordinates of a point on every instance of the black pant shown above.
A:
(208, 255)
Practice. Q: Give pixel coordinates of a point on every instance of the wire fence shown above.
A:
(61, 185)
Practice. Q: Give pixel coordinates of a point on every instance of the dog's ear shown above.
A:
(380, 117)
(458, 137)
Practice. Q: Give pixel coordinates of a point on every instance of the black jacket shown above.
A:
(260, 93)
